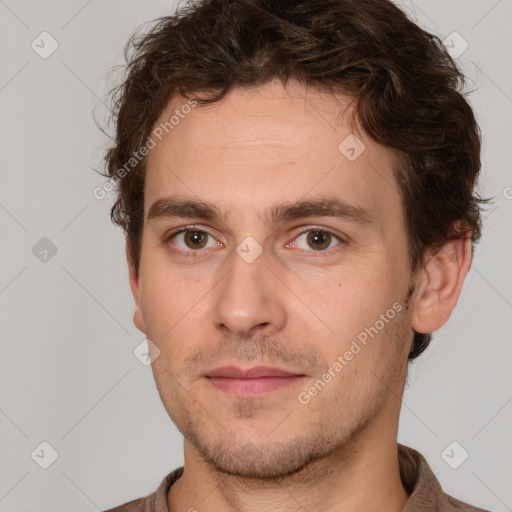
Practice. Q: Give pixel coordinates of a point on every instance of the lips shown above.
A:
(256, 372)
(254, 382)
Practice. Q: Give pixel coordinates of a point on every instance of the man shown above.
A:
(296, 183)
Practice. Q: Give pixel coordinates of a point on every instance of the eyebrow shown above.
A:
(171, 207)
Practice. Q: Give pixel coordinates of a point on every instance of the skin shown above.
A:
(295, 306)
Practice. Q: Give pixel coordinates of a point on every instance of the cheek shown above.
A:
(346, 300)
(167, 300)
(365, 325)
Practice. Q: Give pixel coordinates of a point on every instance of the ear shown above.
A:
(440, 283)
(138, 317)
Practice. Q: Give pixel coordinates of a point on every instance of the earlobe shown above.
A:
(138, 317)
(440, 284)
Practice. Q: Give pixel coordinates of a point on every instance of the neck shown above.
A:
(362, 474)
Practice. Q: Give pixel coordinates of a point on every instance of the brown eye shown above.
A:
(319, 240)
(195, 239)
(188, 240)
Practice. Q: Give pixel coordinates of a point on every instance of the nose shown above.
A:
(249, 300)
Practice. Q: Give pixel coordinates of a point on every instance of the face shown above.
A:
(273, 237)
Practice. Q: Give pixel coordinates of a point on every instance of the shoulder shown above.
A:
(425, 491)
(457, 505)
(137, 505)
(155, 502)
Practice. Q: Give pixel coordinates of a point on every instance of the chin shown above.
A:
(262, 460)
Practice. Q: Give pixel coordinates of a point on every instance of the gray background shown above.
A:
(68, 373)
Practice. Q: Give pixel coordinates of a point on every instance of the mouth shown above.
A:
(252, 382)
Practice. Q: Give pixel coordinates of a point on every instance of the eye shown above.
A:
(317, 239)
(191, 238)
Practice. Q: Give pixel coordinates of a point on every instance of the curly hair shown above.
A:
(406, 89)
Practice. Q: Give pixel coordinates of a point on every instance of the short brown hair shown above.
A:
(406, 91)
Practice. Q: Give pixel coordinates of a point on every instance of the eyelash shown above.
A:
(194, 253)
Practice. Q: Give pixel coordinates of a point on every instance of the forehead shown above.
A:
(264, 145)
